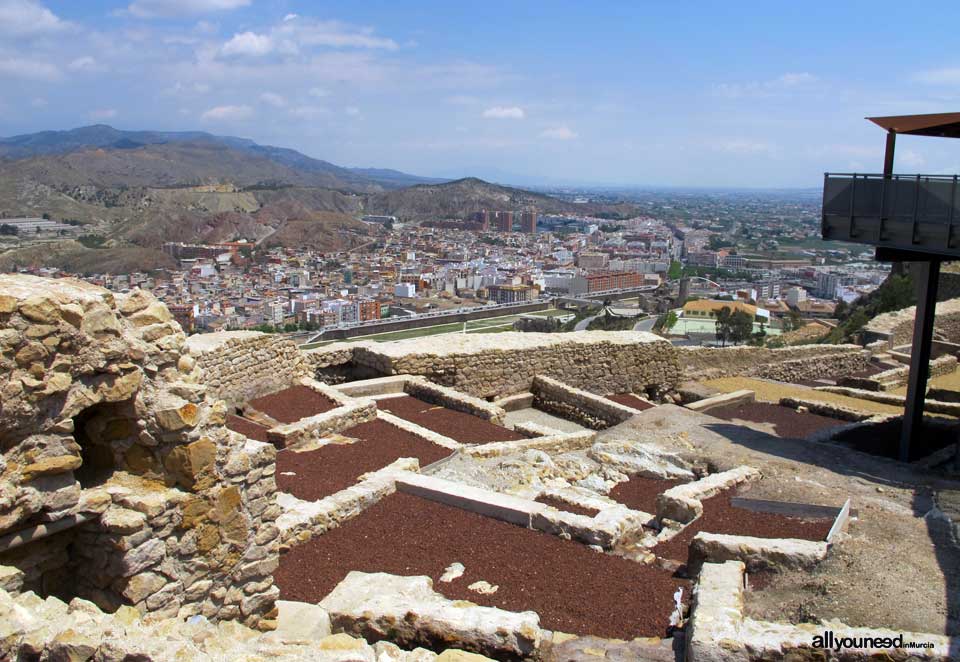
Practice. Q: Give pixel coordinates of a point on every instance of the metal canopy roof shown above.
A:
(940, 125)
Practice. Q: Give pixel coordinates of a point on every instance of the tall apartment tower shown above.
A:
(483, 217)
(528, 222)
(505, 221)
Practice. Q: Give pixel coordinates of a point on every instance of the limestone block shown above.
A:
(646, 460)
(301, 621)
(409, 612)
(756, 553)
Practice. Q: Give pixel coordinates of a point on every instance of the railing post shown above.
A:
(916, 211)
(853, 197)
(953, 206)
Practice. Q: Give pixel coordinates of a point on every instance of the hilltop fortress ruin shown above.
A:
(591, 495)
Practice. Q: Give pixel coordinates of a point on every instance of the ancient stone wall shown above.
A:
(573, 404)
(331, 363)
(240, 365)
(896, 328)
(488, 365)
(116, 471)
(792, 364)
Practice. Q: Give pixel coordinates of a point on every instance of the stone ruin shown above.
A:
(135, 525)
(120, 484)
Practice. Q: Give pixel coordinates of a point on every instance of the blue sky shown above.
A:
(747, 94)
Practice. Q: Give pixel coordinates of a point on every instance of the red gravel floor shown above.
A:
(641, 493)
(293, 403)
(573, 588)
(334, 467)
(457, 425)
(246, 427)
(787, 423)
(719, 516)
(630, 400)
(884, 439)
(569, 507)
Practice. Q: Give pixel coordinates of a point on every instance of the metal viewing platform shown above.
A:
(909, 218)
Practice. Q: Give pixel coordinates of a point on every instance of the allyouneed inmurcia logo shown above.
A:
(831, 641)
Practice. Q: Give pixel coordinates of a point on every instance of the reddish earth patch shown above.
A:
(641, 493)
(246, 427)
(719, 516)
(457, 425)
(630, 400)
(334, 467)
(573, 588)
(293, 403)
(884, 439)
(569, 507)
(787, 423)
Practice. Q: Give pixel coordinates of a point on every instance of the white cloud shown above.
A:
(164, 8)
(788, 82)
(561, 132)
(909, 158)
(505, 113)
(23, 18)
(39, 102)
(295, 35)
(352, 111)
(102, 114)
(85, 63)
(228, 113)
(943, 76)
(273, 99)
(318, 92)
(248, 43)
(28, 69)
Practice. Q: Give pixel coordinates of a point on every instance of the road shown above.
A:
(645, 325)
(584, 323)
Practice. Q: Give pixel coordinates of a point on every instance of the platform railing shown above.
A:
(910, 212)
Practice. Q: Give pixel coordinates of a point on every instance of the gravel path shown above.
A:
(782, 421)
(641, 493)
(334, 467)
(457, 425)
(630, 400)
(246, 427)
(573, 588)
(769, 391)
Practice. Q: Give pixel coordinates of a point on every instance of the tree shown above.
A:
(675, 272)
(723, 329)
(671, 320)
(741, 326)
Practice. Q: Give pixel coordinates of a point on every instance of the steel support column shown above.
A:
(926, 275)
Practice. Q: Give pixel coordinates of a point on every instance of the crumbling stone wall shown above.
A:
(896, 327)
(790, 364)
(331, 364)
(240, 365)
(106, 427)
(490, 365)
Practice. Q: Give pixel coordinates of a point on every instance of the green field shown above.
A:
(488, 325)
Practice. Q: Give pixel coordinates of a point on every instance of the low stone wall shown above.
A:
(557, 443)
(789, 364)
(495, 365)
(331, 364)
(720, 632)
(453, 399)
(237, 366)
(828, 409)
(889, 380)
(757, 553)
(683, 503)
(579, 406)
(301, 520)
(929, 405)
(324, 424)
(896, 328)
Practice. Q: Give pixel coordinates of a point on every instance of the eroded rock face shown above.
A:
(102, 415)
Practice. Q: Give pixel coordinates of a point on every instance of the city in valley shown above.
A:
(655, 358)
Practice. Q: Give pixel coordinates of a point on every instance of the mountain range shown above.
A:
(134, 190)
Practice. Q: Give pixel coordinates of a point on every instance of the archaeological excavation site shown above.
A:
(513, 496)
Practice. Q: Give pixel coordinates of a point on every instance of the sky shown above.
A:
(703, 94)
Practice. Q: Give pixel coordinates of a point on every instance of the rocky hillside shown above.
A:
(460, 198)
